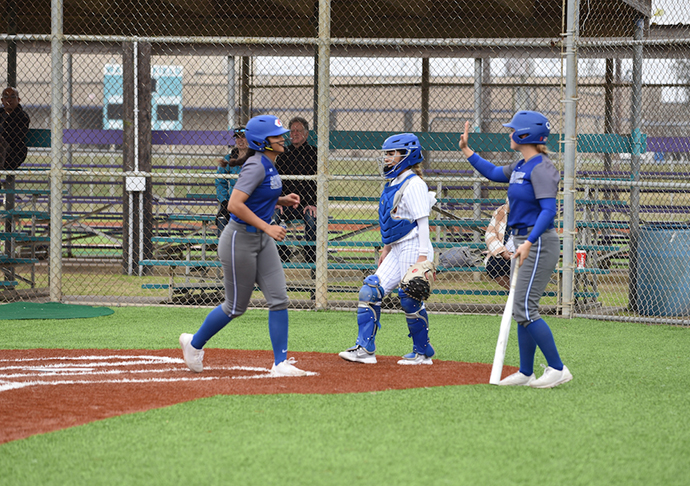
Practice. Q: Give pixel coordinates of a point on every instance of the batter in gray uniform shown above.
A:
(247, 248)
(532, 194)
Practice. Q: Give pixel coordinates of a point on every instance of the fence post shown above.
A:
(323, 134)
(570, 153)
(478, 115)
(231, 92)
(56, 172)
(128, 156)
(144, 90)
(635, 161)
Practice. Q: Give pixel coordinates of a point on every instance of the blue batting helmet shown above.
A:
(260, 128)
(408, 145)
(530, 127)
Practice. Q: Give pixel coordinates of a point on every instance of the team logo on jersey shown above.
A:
(276, 183)
(517, 177)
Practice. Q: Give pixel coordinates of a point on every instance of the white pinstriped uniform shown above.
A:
(415, 204)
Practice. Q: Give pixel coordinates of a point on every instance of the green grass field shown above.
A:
(622, 420)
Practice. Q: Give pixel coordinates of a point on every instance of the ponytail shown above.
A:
(417, 169)
(239, 161)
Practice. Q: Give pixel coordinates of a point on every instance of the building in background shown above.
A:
(166, 97)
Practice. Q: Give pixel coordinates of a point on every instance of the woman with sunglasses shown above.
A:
(229, 165)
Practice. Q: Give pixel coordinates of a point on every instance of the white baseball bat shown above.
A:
(504, 331)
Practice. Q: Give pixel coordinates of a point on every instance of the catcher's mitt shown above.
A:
(418, 280)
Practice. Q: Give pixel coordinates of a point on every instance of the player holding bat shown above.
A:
(533, 186)
(407, 256)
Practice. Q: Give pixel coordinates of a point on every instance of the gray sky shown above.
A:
(674, 11)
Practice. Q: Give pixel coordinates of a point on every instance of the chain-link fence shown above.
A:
(124, 207)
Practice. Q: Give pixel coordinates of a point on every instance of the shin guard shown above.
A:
(369, 312)
(417, 323)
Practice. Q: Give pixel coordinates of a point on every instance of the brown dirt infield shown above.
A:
(43, 390)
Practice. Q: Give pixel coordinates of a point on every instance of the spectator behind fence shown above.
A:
(299, 159)
(14, 128)
(501, 247)
(229, 165)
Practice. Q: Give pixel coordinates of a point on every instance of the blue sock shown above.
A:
(541, 333)
(214, 322)
(278, 330)
(528, 348)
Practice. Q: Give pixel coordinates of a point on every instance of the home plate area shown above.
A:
(42, 390)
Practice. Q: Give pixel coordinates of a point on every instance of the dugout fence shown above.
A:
(116, 201)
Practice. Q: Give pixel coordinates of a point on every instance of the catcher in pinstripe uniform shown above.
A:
(407, 256)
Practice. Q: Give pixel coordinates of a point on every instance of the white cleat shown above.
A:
(287, 368)
(192, 356)
(358, 354)
(552, 377)
(415, 359)
(517, 379)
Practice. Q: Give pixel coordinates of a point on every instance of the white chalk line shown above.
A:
(92, 366)
(166, 359)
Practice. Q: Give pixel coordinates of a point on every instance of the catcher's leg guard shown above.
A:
(417, 323)
(369, 312)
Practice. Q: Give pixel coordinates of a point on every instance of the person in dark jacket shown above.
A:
(14, 127)
(300, 158)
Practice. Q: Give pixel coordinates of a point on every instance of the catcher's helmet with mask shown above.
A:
(407, 144)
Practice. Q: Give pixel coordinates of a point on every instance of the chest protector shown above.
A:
(392, 228)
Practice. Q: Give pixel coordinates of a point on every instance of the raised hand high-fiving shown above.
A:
(464, 139)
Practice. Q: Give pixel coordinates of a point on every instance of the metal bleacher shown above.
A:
(184, 237)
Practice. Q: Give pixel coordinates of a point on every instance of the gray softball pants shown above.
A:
(535, 274)
(250, 257)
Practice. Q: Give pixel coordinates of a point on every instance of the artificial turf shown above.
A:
(622, 420)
